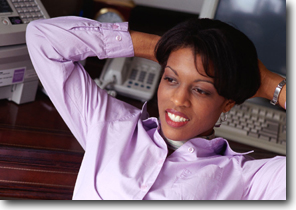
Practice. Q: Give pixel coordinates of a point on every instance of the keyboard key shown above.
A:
(232, 112)
(234, 129)
(274, 140)
(276, 117)
(253, 130)
(239, 114)
(264, 133)
(255, 111)
(275, 131)
(246, 129)
(232, 124)
(239, 126)
(272, 122)
(257, 123)
(244, 107)
(247, 116)
(262, 112)
(250, 122)
(255, 135)
(257, 127)
(235, 117)
(254, 118)
(264, 137)
(243, 124)
(251, 125)
(269, 114)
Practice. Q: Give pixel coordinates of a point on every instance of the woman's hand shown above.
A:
(144, 44)
(269, 81)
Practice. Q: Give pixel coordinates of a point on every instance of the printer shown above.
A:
(18, 79)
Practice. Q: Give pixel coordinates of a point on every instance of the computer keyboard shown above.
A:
(257, 126)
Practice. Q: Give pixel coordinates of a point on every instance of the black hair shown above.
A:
(228, 55)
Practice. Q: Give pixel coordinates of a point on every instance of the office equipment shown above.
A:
(257, 125)
(264, 22)
(133, 77)
(18, 80)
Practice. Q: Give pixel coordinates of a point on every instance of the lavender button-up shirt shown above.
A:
(125, 155)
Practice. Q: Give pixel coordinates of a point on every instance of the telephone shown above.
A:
(132, 77)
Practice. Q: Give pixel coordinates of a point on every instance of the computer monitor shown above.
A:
(263, 21)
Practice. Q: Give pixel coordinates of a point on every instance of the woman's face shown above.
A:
(188, 103)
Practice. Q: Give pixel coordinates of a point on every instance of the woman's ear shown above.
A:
(228, 105)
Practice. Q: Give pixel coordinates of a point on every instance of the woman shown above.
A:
(127, 154)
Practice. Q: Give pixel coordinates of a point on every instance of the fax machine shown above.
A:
(18, 79)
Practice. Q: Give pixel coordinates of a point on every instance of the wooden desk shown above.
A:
(39, 157)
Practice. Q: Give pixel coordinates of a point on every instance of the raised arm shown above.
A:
(269, 82)
(55, 46)
(144, 44)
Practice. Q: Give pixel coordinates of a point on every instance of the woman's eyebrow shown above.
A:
(202, 80)
(175, 72)
(198, 80)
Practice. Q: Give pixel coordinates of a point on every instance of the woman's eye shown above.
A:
(200, 91)
(170, 80)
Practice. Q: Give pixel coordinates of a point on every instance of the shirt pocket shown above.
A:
(198, 183)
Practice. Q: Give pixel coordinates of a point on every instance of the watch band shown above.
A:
(277, 92)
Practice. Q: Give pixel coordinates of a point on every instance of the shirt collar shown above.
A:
(217, 146)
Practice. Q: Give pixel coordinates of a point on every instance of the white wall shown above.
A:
(191, 6)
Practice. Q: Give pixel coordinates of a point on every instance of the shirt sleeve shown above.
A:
(55, 47)
(265, 179)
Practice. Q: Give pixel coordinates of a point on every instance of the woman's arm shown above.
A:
(55, 46)
(269, 82)
(144, 44)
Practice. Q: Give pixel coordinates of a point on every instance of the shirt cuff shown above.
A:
(117, 39)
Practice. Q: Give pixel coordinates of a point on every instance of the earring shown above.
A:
(223, 118)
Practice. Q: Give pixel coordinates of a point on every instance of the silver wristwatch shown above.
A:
(277, 92)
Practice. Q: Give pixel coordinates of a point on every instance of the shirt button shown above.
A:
(191, 149)
(118, 38)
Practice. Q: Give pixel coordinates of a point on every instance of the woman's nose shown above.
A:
(181, 97)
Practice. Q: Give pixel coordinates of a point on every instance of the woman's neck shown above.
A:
(174, 145)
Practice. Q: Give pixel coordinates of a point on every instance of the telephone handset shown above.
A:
(132, 77)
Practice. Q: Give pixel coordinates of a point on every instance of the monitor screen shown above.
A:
(264, 22)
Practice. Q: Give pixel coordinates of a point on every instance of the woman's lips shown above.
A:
(175, 119)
